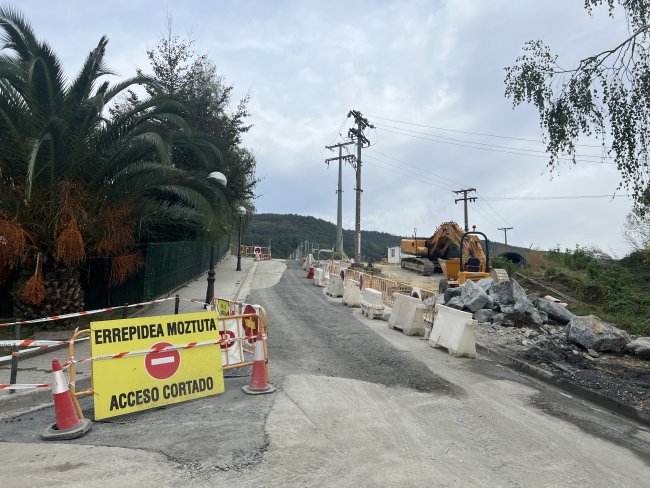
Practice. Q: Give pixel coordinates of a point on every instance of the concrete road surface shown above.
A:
(357, 405)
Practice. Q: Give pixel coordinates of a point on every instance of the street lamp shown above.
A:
(209, 294)
(241, 211)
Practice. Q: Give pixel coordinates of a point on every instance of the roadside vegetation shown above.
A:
(617, 291)
(93, 167)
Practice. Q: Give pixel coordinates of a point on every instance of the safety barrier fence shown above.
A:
(235, 352)
(237, 325)
(386, 286)
(251, 251)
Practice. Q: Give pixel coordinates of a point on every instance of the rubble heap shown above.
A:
(506, 304)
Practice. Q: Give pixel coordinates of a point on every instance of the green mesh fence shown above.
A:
(170, 264)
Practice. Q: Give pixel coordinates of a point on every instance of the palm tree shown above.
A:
(76, 185)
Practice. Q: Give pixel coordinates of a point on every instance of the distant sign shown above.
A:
(131, 384)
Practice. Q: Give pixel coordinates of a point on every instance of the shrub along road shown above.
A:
(357, 405)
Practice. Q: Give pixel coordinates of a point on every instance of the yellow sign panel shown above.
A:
(130, 384)
(223, 306)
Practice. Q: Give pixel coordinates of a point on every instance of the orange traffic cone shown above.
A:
(258, 384)
(67, 424)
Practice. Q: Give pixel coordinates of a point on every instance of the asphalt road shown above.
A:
(357, 405)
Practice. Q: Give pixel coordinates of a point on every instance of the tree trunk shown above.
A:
(63, 295)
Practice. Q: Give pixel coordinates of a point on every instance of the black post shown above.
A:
(125, 311)
(239, 246)
(177, 301)
(14, 359)
(209, 295)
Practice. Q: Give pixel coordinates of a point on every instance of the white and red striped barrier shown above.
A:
(159, 349)
(87, 312)
(41, 344)
(27, 386)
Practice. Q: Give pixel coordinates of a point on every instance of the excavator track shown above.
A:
(423, 266)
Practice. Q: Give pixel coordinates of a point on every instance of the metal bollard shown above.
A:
(14, 359)
(177, 302)
(125, 311)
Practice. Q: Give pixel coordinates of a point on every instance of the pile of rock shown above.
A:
(506, 304)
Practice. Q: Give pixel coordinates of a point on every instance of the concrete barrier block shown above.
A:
(372, 303)
(407, 315)
(334, 287)
(454, 330)
(352, 293)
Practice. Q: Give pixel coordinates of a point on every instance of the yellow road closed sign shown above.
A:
(161, 377)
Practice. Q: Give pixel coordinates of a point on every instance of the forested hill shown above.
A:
(285, 232)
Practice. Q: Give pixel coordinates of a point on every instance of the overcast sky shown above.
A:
(413, 68)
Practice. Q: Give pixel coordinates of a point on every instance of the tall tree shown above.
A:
(194, 80)
(606, 95)
(76, 185)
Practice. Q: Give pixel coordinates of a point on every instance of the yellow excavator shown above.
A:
(459, 255)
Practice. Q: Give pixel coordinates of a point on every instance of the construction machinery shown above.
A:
(423, 255)
(458, 270)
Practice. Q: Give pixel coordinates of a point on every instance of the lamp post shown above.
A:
(241, 211)
(209, 294)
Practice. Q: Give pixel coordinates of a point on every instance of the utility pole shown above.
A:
(505, 234)
(357, 134)
(339, 214)
(465, 199)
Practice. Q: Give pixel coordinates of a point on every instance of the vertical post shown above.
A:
(125, 311)
(357, 219)
(239, 246)
(505, 234)
(14, 358)
(177, 302)
(209, 294)
(339, 212)
(465, 200)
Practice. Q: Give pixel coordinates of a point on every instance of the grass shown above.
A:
(616, 291)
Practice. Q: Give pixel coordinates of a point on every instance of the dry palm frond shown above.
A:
(33, 291)
(71, 207)
(117, 231)
(13, 243)
(69, 246)
(123, 266)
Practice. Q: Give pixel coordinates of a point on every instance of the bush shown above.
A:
(501, 262)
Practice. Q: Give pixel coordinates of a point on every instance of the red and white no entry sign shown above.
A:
(164, 364)
(257, 250)
(250, 323)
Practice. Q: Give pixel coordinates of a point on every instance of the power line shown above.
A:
(492, 150)
(562, 197)
(417, 171)
(381, 126)
(484, 134)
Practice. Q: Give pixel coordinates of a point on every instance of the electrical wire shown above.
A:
(509, 148)
(421, 171)
(491, 150)
(483, 134)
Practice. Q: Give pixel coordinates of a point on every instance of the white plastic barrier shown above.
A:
(454, 330)
(372, 303)
(407, 314)
(351, 293)
(334, 287)
(318, 276)
(309, 260)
